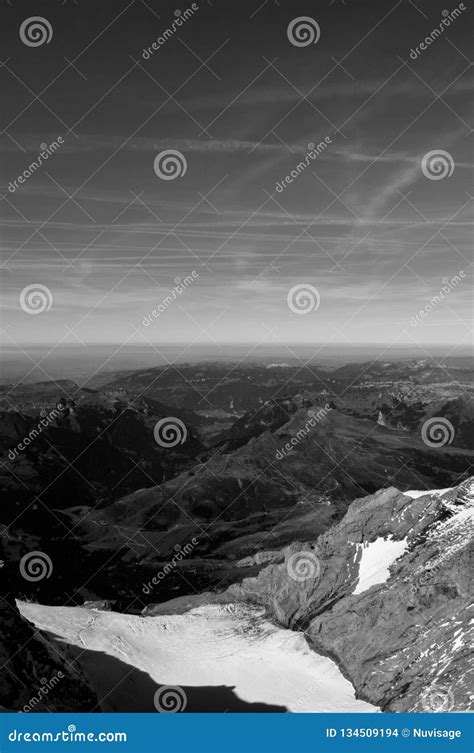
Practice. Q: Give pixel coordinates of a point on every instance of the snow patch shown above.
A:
(232, 645)
(458, 640)
(414, 494)
(376, 559)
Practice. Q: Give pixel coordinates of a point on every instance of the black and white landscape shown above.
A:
(236, 421)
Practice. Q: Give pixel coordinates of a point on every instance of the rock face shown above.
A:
(397, 627)
(38, 674)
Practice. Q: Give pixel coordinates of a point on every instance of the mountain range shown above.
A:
(272, 460)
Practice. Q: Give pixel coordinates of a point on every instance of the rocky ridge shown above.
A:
(403, 642)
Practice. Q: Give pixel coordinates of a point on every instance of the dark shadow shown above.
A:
(120, 687)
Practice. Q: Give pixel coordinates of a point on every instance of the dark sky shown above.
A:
(361, 223)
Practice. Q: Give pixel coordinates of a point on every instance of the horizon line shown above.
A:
(252, 343)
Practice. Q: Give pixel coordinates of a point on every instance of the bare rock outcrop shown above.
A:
(398, 630)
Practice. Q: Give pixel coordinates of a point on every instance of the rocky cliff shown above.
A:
(386, 593)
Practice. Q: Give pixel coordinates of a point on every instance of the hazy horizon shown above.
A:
(36, 363)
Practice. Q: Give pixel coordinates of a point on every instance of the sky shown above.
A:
(105, 237)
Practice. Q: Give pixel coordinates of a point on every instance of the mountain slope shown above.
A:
(402, 636)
